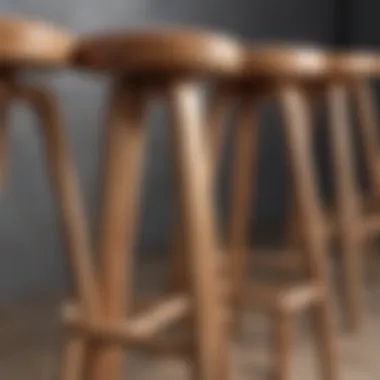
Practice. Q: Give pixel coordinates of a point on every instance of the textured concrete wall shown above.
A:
(30, 246)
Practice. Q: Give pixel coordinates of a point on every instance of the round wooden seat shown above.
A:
(285, 61)
(356, 64)
(159, 51)
(31, 42)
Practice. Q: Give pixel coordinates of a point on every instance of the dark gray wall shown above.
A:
(31, 253)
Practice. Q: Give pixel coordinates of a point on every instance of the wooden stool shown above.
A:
(29, 44)
(287, 75)
(355, 216)
(144, 66)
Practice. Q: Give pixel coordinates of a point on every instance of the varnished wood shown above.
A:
(194, 179)
(26, 42)
(281, 62)
(65, 186)
(297, 140)
(282, 341)
(354, 65)
(243, 169)
(117, 219)
(159, 50)
(347, 203)
(369, 137)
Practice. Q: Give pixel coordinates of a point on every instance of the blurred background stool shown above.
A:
(354, 216)
(29, 44)
(287, 75)
(146, 66)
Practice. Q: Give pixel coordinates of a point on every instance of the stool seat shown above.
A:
(159, 51)
(32, 43)
(283, 61)
(357, 64)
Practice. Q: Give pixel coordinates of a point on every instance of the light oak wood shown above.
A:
(65, 186)
(159, 51)
(297, 140)
(282, 342)
(369, 137)
(281, 62)
(26, 42)
(194, 179)
(117, 219)
(243, 166)
(347, 203)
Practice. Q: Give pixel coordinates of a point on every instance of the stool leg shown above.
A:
(242, 171)
(297, 125)
(368, 124)
(216, 115)
(194, 181)
(121, 171)
(347, 208)
(64, 183)
(282, 345)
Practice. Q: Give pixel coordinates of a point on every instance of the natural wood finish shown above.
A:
(117, 219)
(352, 66)
(164, 50)
(140, 326)
(369, 138)
(282, 341)
(27, 42)
(297, 140)
(243, 167)
(194, 179)
(281, 62)
(347, 203)
(65, 186)
(283, 297)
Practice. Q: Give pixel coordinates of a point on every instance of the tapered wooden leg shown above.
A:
(65, 186)
(194, 180)
(347, 207)
(214, 133)
(282, 335)
(297, 142)
(240, 197)
(121, 171)
(369, 137)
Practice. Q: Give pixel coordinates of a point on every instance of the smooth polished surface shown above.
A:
(159, 50)
(285, 61)
(27, 42)
(356, 64)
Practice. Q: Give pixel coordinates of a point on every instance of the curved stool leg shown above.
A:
(119, 203)
(297, 142)
(194, 180)
(348, 216)
(64, 183)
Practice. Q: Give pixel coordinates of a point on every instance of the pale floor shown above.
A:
(30, 340)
